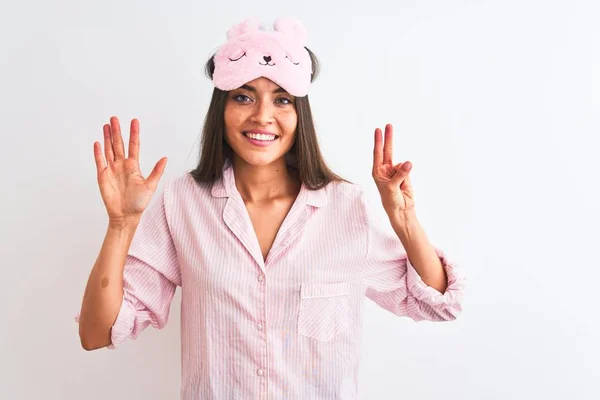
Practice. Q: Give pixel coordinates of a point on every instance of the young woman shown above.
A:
(274, 253)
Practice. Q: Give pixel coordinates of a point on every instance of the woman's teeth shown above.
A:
(260, 136)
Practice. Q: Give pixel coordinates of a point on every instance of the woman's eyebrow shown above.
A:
(253, 89)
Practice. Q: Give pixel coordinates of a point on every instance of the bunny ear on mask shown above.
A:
(293, 28)
(249, 25)
(251, 52)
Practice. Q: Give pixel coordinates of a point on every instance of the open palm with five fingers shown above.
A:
(392, 180)
(124, 190)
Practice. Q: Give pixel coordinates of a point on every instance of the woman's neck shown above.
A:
(265, 183)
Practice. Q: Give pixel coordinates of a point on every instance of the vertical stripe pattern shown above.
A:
(288, 327)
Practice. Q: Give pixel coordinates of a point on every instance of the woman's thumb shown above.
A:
(157, 172)
(402, 170)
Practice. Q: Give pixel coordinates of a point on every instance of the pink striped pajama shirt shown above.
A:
(285, 328)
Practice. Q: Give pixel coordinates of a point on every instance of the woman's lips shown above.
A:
(260, 143)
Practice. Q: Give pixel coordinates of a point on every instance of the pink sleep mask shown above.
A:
(278, 55)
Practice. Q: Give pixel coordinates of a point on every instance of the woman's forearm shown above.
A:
(104, 290)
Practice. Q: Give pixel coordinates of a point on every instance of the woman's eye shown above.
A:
(240, 97)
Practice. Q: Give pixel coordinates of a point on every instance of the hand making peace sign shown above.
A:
(393, 181)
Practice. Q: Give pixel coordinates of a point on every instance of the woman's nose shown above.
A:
(263, 113)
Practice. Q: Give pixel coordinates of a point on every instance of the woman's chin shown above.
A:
(258, 159)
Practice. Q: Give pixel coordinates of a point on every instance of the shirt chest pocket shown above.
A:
(324, 310)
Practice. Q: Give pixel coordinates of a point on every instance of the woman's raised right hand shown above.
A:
(124, 190)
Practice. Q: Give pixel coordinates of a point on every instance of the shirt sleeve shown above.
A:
(394, 284)
(150, 276)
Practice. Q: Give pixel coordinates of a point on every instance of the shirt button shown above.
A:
(261, 278)
(260, 327)
(260, 372)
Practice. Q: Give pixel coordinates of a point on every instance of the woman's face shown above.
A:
(255, 113)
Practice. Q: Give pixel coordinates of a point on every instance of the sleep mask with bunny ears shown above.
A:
(278, 55)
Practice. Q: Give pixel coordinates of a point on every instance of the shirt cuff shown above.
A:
(123, 325)
(430, 295)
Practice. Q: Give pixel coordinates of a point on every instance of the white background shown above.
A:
(496, 103)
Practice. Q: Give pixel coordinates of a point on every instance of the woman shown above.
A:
(274, 252)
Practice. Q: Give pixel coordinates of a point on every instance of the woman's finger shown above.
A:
(388, 146)
(134, 139)
(377, 149)
(117, 139)
(108, 150)
(100, 164)
(156, 173)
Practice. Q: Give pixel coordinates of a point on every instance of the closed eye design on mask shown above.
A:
(238, 57)
(295, 63)
(266, 58)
